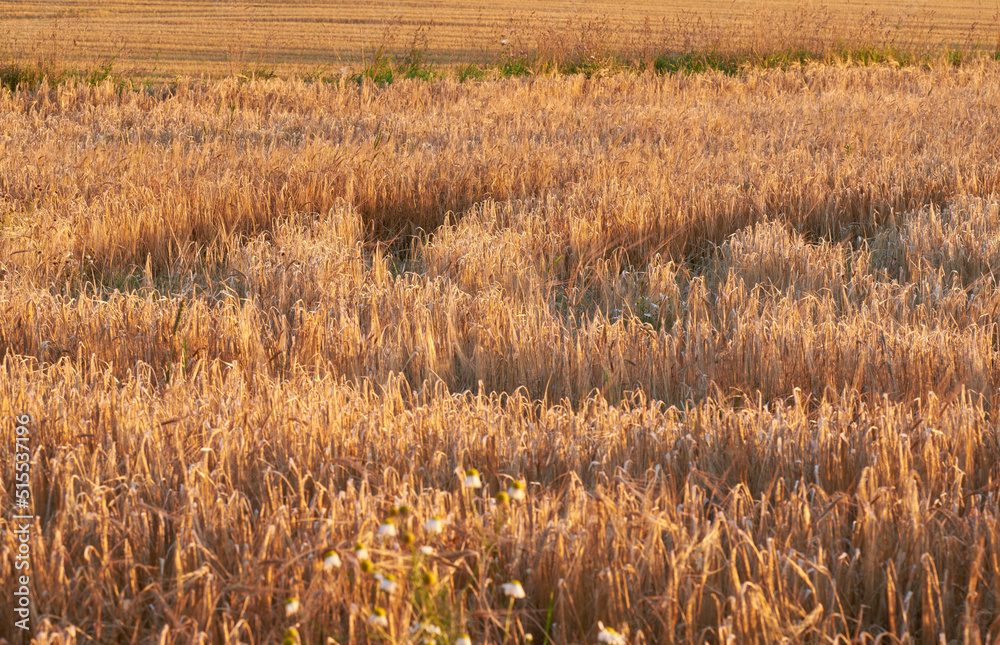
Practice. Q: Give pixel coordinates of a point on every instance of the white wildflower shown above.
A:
(386, 583)
(331, 560)
(472, 479)
(434, 525)
(609, 636)
(513, 589)
(388, 529)
(378, 618)
(518, 490)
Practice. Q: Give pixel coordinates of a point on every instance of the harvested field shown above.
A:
(161, 38)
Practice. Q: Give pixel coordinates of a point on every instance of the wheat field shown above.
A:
(622, 356)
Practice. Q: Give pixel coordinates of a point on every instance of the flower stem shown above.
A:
(506, 624)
